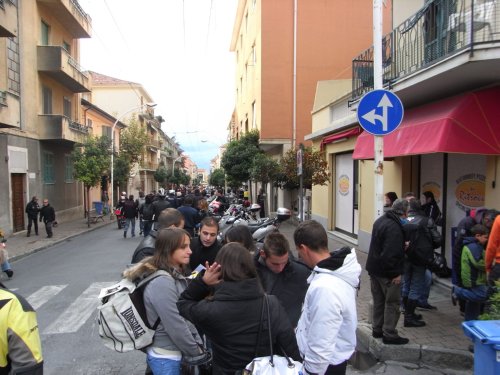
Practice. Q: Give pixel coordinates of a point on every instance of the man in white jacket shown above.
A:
(326, 332)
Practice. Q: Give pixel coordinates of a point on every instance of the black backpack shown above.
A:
(420, 251)
(147, 211)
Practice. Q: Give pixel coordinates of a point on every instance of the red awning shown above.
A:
(463, 124)
(337, 136)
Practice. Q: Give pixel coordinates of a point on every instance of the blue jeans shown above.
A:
(127, 224)
(148, 225)
(6, 266)
(473, 298)
(414, 281)
(163, 366)
(426, 290)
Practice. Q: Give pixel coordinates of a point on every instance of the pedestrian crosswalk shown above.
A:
(74, 316)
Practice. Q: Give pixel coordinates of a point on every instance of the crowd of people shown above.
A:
(402, 256)
(209, 304)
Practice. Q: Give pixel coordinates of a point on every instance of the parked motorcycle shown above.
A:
(258, 227)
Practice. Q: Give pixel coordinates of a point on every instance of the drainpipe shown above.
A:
(294, 113)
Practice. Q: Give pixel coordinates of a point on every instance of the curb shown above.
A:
(56, 242)
(421, 355)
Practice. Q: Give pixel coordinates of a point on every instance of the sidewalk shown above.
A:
(19, 246)
(441, 343)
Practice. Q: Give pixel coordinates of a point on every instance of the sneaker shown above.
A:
(9, 273)
(124, 234)
(426, 306)
(412, 322)
(377, 334)
(398, 340)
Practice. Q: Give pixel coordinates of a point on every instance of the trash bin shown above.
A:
(98, 207)
(486, 337)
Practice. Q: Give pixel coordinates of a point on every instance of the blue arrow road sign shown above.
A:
(380, 112)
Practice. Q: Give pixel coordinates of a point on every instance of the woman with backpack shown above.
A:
(175, 339)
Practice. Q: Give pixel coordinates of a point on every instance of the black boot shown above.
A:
(410, 318)
(404, 301)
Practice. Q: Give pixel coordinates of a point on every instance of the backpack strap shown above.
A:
(142, 284)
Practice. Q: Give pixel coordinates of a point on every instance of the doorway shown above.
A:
(17, 188)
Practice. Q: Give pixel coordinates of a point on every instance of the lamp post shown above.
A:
(150, 105)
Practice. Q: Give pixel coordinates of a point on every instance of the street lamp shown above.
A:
(150, 105)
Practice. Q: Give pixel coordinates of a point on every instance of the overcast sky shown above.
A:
(179, 51)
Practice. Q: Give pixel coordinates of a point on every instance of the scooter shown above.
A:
(120, 219)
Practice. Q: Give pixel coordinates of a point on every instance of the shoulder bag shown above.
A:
(273, 364)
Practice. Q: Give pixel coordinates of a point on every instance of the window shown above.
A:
(89, 123)
(45, 34)
(254, 119)
(48, 168)
(67, 107)
(13, 70)
(106, 132)
(46, 100)
(68, 168)
(67, 47)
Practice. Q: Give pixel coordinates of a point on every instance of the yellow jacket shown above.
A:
(20, 346)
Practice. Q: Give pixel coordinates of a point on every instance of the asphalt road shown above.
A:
(62, 283)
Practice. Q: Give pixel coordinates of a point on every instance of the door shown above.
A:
(17, 188)
(344, 194)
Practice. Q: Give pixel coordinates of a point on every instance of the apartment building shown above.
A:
(442, 59)
(40, 113)
(129, 102)
(282, 49)
(100, 123)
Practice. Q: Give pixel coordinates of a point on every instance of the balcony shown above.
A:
(8, 19)
(61, 128)
(154, 143)
(71, 15)
(149, 166)
(55, 62)
(444, 48)
(9, 110)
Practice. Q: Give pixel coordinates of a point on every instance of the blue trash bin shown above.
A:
(485, 335)
(98, 207)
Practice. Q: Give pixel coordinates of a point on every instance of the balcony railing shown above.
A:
(60, 127)
(438, 30)
(149, 165)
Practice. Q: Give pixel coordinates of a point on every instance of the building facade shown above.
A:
(281, 52)
(41, 84)
(441, 58)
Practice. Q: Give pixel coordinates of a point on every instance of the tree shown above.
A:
(217, 177)
(121, 170)
(90, 161)
(132, 141)
(237, 160)
(161, 175)
(314, 169)
(265, 170)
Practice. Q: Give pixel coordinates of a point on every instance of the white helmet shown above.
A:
(255, 207)
(162, 192)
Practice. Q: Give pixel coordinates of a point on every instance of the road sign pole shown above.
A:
(377, 85)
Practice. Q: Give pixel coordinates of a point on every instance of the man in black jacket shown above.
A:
(423, 238)
(281, 276)
(205, 247)
(48, 215)
(159, 205)
(32, 209)
(385, 265)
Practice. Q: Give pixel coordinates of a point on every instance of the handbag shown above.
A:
(273, 364)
